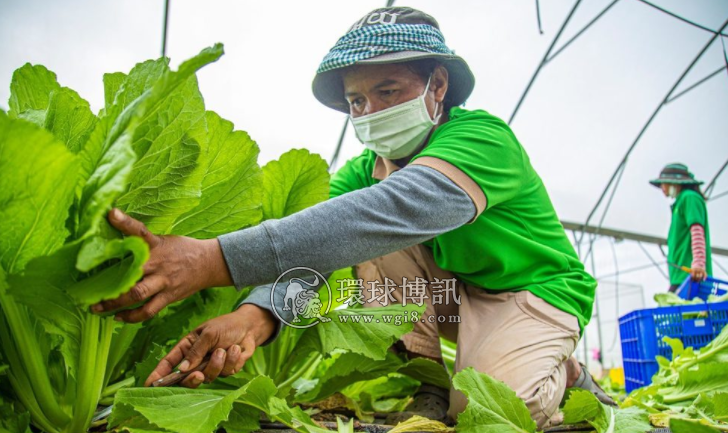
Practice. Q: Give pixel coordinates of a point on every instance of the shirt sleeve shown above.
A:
(697, 244)
(411, 206)
(694, 210)
(486, 152)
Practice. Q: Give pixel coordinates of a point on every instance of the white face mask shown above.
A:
(672, 191)
(397, 131)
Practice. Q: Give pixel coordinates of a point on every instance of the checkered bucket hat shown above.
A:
(390, 35)
(677, 174)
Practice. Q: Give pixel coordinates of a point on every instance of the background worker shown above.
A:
(438, 192)
(688, 242)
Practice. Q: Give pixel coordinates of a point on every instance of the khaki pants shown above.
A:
(514, 337)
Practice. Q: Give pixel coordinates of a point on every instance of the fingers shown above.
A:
(193, 380)
(146, 311)
(246, 352)
(144, 289)
(248, 349)
(169, 362)
(231, 361)
(215, 365)
(199, 349)
(132, 227)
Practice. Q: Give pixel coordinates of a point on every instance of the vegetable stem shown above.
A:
(312, 360)
(86, 399)
(31, 359)
(112, 389)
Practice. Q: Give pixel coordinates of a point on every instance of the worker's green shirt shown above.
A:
(517, 243)
(689, 208)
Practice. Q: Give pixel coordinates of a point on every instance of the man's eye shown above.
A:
(356, 102)
(387, 92)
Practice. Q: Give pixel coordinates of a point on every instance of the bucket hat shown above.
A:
(390, 35)
(677, 174)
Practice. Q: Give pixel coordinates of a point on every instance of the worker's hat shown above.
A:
(677, 174)
(390, 35)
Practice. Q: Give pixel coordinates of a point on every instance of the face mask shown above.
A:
(397, 131)
(672, 191)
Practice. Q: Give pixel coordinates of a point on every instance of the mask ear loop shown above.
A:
(427, 87)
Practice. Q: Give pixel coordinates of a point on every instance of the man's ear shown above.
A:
(439, 83)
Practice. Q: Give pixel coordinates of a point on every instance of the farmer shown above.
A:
(688, 242)
(440, 193)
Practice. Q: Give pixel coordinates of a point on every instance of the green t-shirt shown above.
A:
(517, 243)
(689, 208)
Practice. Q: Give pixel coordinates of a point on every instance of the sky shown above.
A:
(584, 110)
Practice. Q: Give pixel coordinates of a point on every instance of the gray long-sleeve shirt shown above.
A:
(409, 207)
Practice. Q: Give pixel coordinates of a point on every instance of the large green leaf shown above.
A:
(170, 143)
(335, 374)
(106, 169)
(115, 280)
(112, 83)
(122, 90)
(38, 176)
(492, 406)
(583, 406)
(186, 410)
(231, 187)
(70, 119)
(30, 90)
(369, 332)
(144, 151)
(296, 181)
(707, 378)
(181, 410)
(36, 96)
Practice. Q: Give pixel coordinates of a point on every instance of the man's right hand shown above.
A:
(230, 339)
(178, 267)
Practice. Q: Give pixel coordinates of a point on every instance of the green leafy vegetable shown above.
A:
(492, 406)
(196, 411)
(583, 406)
(154, 151)
(294, 182)
(39, 177)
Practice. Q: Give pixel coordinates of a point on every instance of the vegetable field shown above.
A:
(157, 153)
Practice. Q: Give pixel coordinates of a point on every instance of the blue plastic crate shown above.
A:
(690, 289)
(641, 332)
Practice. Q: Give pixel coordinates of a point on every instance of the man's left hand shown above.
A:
(178, 267)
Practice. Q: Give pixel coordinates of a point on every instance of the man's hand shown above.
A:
(178, 267)
(231, 338)
(698, 273)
